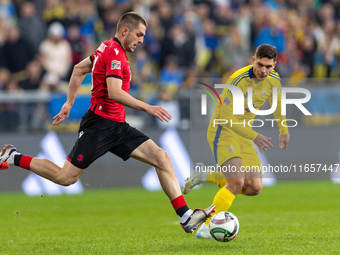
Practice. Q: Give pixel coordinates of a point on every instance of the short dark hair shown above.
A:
(266, 51)
(131, 20)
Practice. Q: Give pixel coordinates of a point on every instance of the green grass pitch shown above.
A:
(300, 217)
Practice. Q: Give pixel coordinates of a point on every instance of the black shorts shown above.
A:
(98, 135)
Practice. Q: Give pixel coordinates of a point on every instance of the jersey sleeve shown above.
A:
(233, 123)
(114, 63)
(277, 113)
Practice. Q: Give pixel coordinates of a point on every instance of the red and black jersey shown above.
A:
(109, 60)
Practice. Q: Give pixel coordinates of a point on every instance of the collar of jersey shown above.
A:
(251, 73)
(116, 39)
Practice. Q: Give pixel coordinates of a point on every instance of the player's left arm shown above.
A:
(77, 77)
(284, 132)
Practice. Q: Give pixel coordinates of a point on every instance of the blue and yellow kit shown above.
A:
(228, 141)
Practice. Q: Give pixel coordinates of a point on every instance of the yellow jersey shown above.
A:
(261, 91)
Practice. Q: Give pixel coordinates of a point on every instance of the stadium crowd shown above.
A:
(41, 41)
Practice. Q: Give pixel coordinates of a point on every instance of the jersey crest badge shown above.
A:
(115, 64)
(230, 148)
(226, 101)
(264, 92)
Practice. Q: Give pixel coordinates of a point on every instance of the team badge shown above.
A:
(80, 157)
(264, 92)
(230, 148)
(115, 64)
(226, 101)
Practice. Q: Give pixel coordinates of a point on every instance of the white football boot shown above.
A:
(195, 179)
(203, 232)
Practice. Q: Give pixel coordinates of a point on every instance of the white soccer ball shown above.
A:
(224, 226)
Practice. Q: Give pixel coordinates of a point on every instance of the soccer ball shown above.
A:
(224, 226)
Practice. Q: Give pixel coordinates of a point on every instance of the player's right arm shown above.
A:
(77, 77)
(116, 93)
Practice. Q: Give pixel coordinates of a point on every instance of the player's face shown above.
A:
(262, 67)
(134, 38)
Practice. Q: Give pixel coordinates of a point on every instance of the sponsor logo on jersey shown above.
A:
(115, 64)
(226, 101)
(256, 92)
(116, 50)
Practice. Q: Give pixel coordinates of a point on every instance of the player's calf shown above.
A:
(234, 185)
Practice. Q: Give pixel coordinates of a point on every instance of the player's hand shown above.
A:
(263, 142)
(62, 115)
(158, 112)
(283, 141)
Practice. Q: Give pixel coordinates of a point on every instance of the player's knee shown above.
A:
(252, 190)
(163, 159)
(256, 189)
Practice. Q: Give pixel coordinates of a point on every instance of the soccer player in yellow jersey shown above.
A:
(232, 145)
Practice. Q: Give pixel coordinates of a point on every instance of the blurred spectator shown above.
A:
(76, 43)
(237, 51)
(15, 53)
(180, 44)
(104, 5)
(326, 12)
(55, 52)
(309, 47)
(71, 15)
(154, 35)
(203, 12)
(328, 46)
(207, 58)
(145, 69)
(32, 28)
(53, 11)
(271, 34)
(111, 17)
(223, 19)
(166, 15)
(34, 74)
(171, 76)
(92, 28)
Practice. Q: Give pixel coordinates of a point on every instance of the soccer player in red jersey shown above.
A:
(103, 128)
